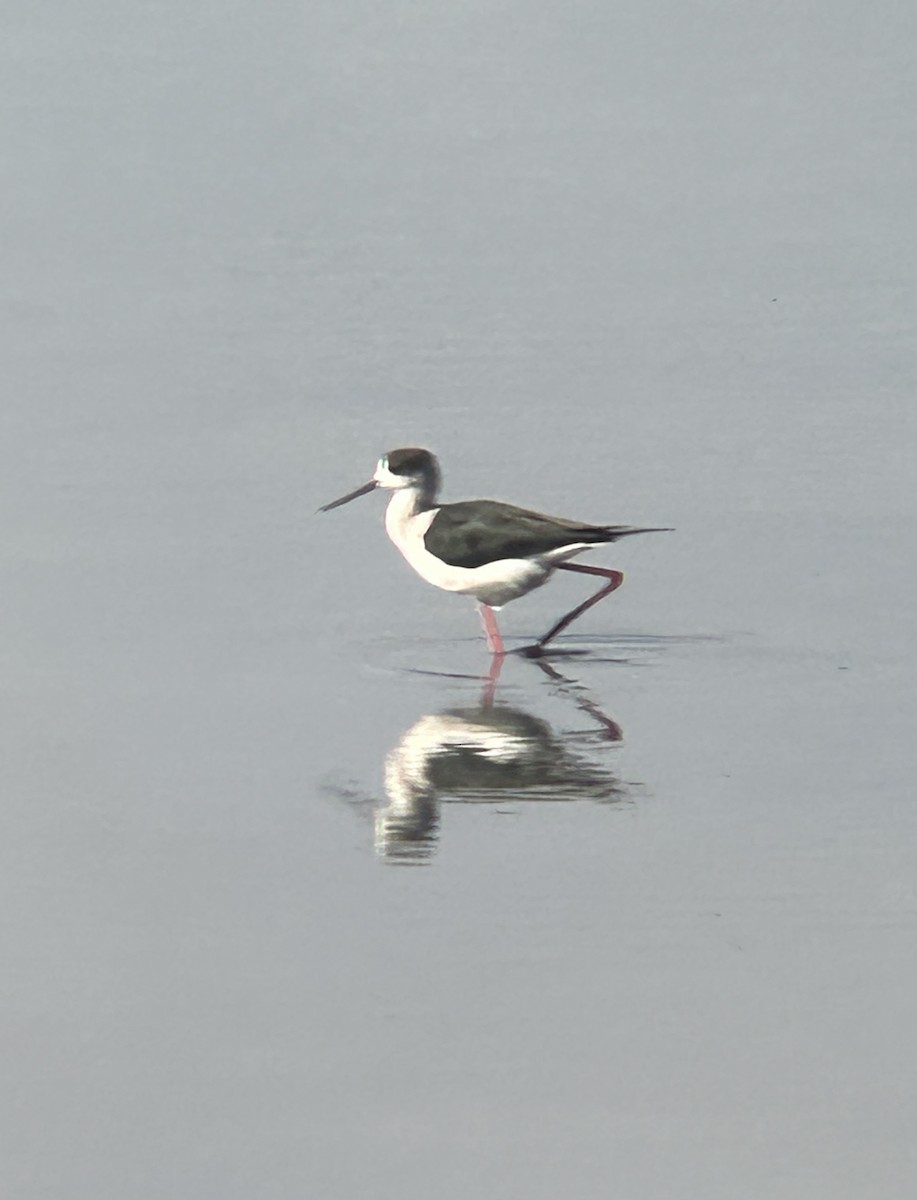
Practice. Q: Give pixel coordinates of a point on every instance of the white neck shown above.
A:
(407, 519)
(404, 504)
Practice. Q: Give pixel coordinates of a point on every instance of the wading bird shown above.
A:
(483, 548)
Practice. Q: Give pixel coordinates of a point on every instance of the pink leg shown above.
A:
(615, 579)
(491, 632)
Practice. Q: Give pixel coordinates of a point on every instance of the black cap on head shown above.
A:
(411, 460)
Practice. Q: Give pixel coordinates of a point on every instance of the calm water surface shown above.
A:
(296, 902)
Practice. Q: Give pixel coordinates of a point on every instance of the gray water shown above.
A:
(291, 906)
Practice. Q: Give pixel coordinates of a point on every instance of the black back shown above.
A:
(474, 532)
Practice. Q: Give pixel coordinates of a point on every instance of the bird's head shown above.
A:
(410, 467)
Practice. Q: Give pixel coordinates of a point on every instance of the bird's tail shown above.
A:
(611, 533)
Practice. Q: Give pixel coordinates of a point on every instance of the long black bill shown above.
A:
(361, 491)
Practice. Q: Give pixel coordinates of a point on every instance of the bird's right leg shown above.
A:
(491, 632)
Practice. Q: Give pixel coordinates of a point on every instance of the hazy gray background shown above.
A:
(646, 262)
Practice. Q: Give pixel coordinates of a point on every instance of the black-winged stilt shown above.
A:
(483, 548)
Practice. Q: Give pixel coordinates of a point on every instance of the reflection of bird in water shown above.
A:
(486, 753)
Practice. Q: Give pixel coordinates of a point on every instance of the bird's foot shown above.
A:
(536, 650)
(541, 650)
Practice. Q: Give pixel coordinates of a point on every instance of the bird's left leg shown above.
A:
(491, 632)
(615, 579)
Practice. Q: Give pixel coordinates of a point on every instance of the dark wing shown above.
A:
(475, 532)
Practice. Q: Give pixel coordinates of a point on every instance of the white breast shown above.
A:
(494, 583)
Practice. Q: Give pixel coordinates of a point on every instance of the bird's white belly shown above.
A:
(494, 583)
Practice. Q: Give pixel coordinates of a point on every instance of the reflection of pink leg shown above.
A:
(493, 675)
(491, 632)
(615, 579)
(613, 730)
